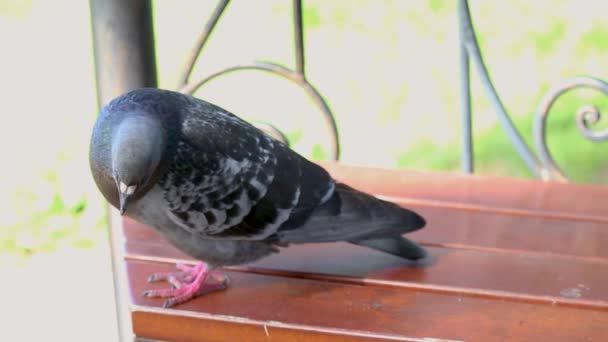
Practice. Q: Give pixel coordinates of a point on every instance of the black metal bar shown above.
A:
(202, 40)
(470, 41)
(298, 32)
(465, 98)
(123, 44)
(123, 39)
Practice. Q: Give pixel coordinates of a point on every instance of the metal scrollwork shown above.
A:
(586, 117)
(542, 166)
(470, 50)
(540, 163)
(297, 76)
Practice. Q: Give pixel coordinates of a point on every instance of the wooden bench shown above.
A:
(510, 259)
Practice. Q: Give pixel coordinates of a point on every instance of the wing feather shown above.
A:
(230, 180)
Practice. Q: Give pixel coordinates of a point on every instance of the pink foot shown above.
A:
(191, 282)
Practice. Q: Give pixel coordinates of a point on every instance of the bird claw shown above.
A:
(191, 282)
(187, 274)
(176, 280)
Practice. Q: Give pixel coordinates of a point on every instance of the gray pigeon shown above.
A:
(224, 192)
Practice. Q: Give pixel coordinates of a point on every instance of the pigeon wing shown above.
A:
(230, 180)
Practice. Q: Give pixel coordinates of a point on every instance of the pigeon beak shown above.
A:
(124, 194)
(124, 199)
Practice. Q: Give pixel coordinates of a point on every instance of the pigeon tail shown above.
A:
(395, 245)
(351, 215)
(384, 218)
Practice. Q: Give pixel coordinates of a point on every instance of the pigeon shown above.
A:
(224, 192)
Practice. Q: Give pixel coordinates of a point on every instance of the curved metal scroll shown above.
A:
(586, 117)
(470, 46)
(297, 76)
(545, 168)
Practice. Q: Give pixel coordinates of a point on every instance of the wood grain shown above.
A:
(509, 260)
(336, 310)
(502, 194)
(540, 278)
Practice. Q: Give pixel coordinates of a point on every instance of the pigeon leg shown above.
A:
(187, 274)
(191, 282)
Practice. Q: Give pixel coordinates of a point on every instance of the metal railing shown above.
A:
(540, 163)
(297, 76)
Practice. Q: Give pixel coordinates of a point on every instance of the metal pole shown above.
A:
(465, 97)
(123, 39)
(298, 35)
(469, 39)
(123, 44)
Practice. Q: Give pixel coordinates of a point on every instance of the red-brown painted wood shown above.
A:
(532, 277)
(531, 197)
(335, 310)
(509, 260)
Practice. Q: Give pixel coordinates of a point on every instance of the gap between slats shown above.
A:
(405, 201)
(433, 288)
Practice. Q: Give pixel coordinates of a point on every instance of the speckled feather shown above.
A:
(226, 193)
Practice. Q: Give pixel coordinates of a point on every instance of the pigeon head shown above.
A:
(137, 147)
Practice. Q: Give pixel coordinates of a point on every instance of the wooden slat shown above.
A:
(509, 260)
(503, 194)
(535, 253)
(328, 311)
(543, 279)
(171, 326)
(531, 234)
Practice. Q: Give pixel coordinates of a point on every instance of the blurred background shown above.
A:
(388, 69)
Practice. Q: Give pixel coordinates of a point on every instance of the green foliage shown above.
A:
(42, 219)
(50, 206)
(580, 159)
(295, 137)
(545, 42)
(594, 40)
(318, 153)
